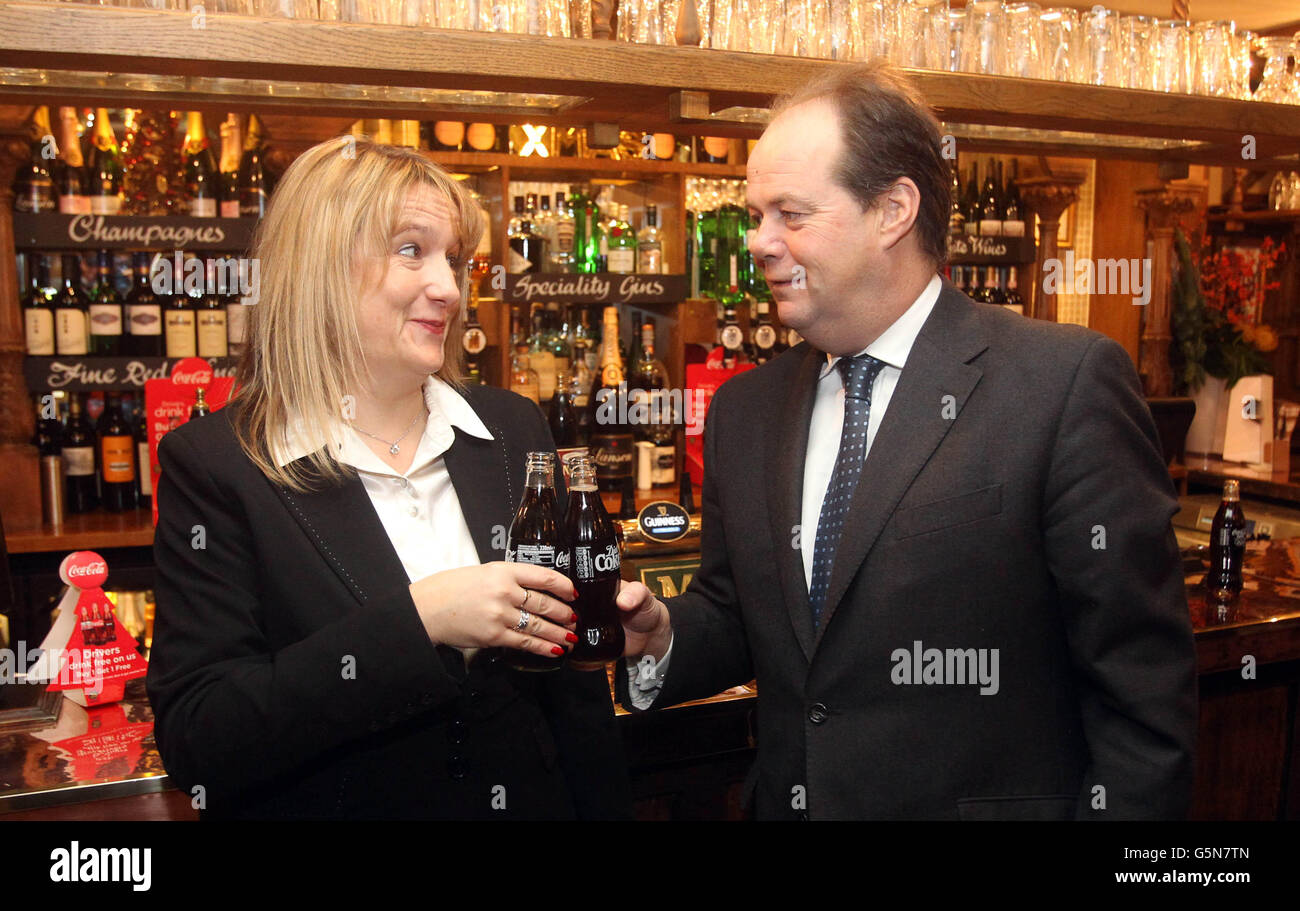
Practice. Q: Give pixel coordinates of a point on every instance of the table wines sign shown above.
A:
(51, 231)
(596, 288)
(82, 374)
(990, 250)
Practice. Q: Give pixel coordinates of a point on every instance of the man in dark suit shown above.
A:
(937, 533)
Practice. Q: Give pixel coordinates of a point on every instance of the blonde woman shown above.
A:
(328, 545)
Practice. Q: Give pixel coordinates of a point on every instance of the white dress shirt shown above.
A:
(645, 677)
(418, 509)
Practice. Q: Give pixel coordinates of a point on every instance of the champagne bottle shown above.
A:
(611, 437)
(231, 147)
(34, 180)
(202, 180)
(71, 182)
(254, 193)
(105, 170)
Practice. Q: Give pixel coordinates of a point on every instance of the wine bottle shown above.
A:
(79, 459)
(971, 202)
(210, 320)
(116, 458)
(231, 149)
(1013, 219)
(38, 311)
(179, 321)
(71, 311)
(144, 322)
(105, 311)
(254, 193)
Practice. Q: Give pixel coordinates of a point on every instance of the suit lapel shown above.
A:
(915, 424)
(345, 529)
(787, 444)
(481, 473)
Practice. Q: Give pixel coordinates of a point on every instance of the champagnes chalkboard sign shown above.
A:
(596, 288)
(50, 231)
(83, 374)
(990, 251)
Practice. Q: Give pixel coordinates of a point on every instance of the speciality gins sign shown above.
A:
(88, 374)
(49, 231)
(596, 288)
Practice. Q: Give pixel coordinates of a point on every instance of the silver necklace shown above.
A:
(392, 447)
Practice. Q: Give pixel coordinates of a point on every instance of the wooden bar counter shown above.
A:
(689, 761)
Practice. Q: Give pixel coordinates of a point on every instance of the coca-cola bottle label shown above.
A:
(536, 554)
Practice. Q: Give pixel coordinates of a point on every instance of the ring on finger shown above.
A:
(524, 619)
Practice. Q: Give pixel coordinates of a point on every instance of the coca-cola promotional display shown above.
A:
(594, 567)
(535, 537)
(88, 654)
(169, 403)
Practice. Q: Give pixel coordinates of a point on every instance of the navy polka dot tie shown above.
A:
(859, 375)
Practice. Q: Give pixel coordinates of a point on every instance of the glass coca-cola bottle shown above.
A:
(1227, 548)
(535, 537)
(594, 568)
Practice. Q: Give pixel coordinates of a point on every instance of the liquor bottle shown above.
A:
(535, 537)
(79, 459)
(105, 311)
(733, 261)
(474, 341)
(34, 180)
(1227, 548)
(71, 311)
(525, 250)
(487, 137)
(523, 378)
(544, 227)
(231, 149)
(990, 207)
(562, 252)
(956, 215)
(254, 190)
(200, 409)
(764, 334)
(661, 430)
(557, 338)
(144, 320)
(711, 149)
(71, 184)
(732, 338)
(202, 180)
(541, 357)
(594, 567)
(564, 417)
(611, 438)
(105, 168)
(971, 201)
(445, 135)
(144, 465)
(1013, 299)
(1013, 219)
(179, 321)
(117, 465)
(622, 244)
(649, 248)
(210, 320)
(587, 236)
(38, 310)
(517, 219)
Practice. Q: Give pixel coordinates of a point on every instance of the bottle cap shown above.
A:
(1232, 490)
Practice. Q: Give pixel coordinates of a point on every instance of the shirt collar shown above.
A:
(448, 409)
(894, 344)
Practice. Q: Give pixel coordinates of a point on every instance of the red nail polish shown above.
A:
(571, 637)
(557, 651)
(573, 619)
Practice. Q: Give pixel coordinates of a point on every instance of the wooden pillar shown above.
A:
(1165, 206)
(20, 494)
(1048, 197)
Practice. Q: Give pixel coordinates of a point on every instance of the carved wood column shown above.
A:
(1048, 198)
(1165, 206)
(20, 494)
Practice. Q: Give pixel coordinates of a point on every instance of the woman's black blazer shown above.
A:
(291, 676)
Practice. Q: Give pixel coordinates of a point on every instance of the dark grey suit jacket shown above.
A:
(1014, 499)
(254, 628)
